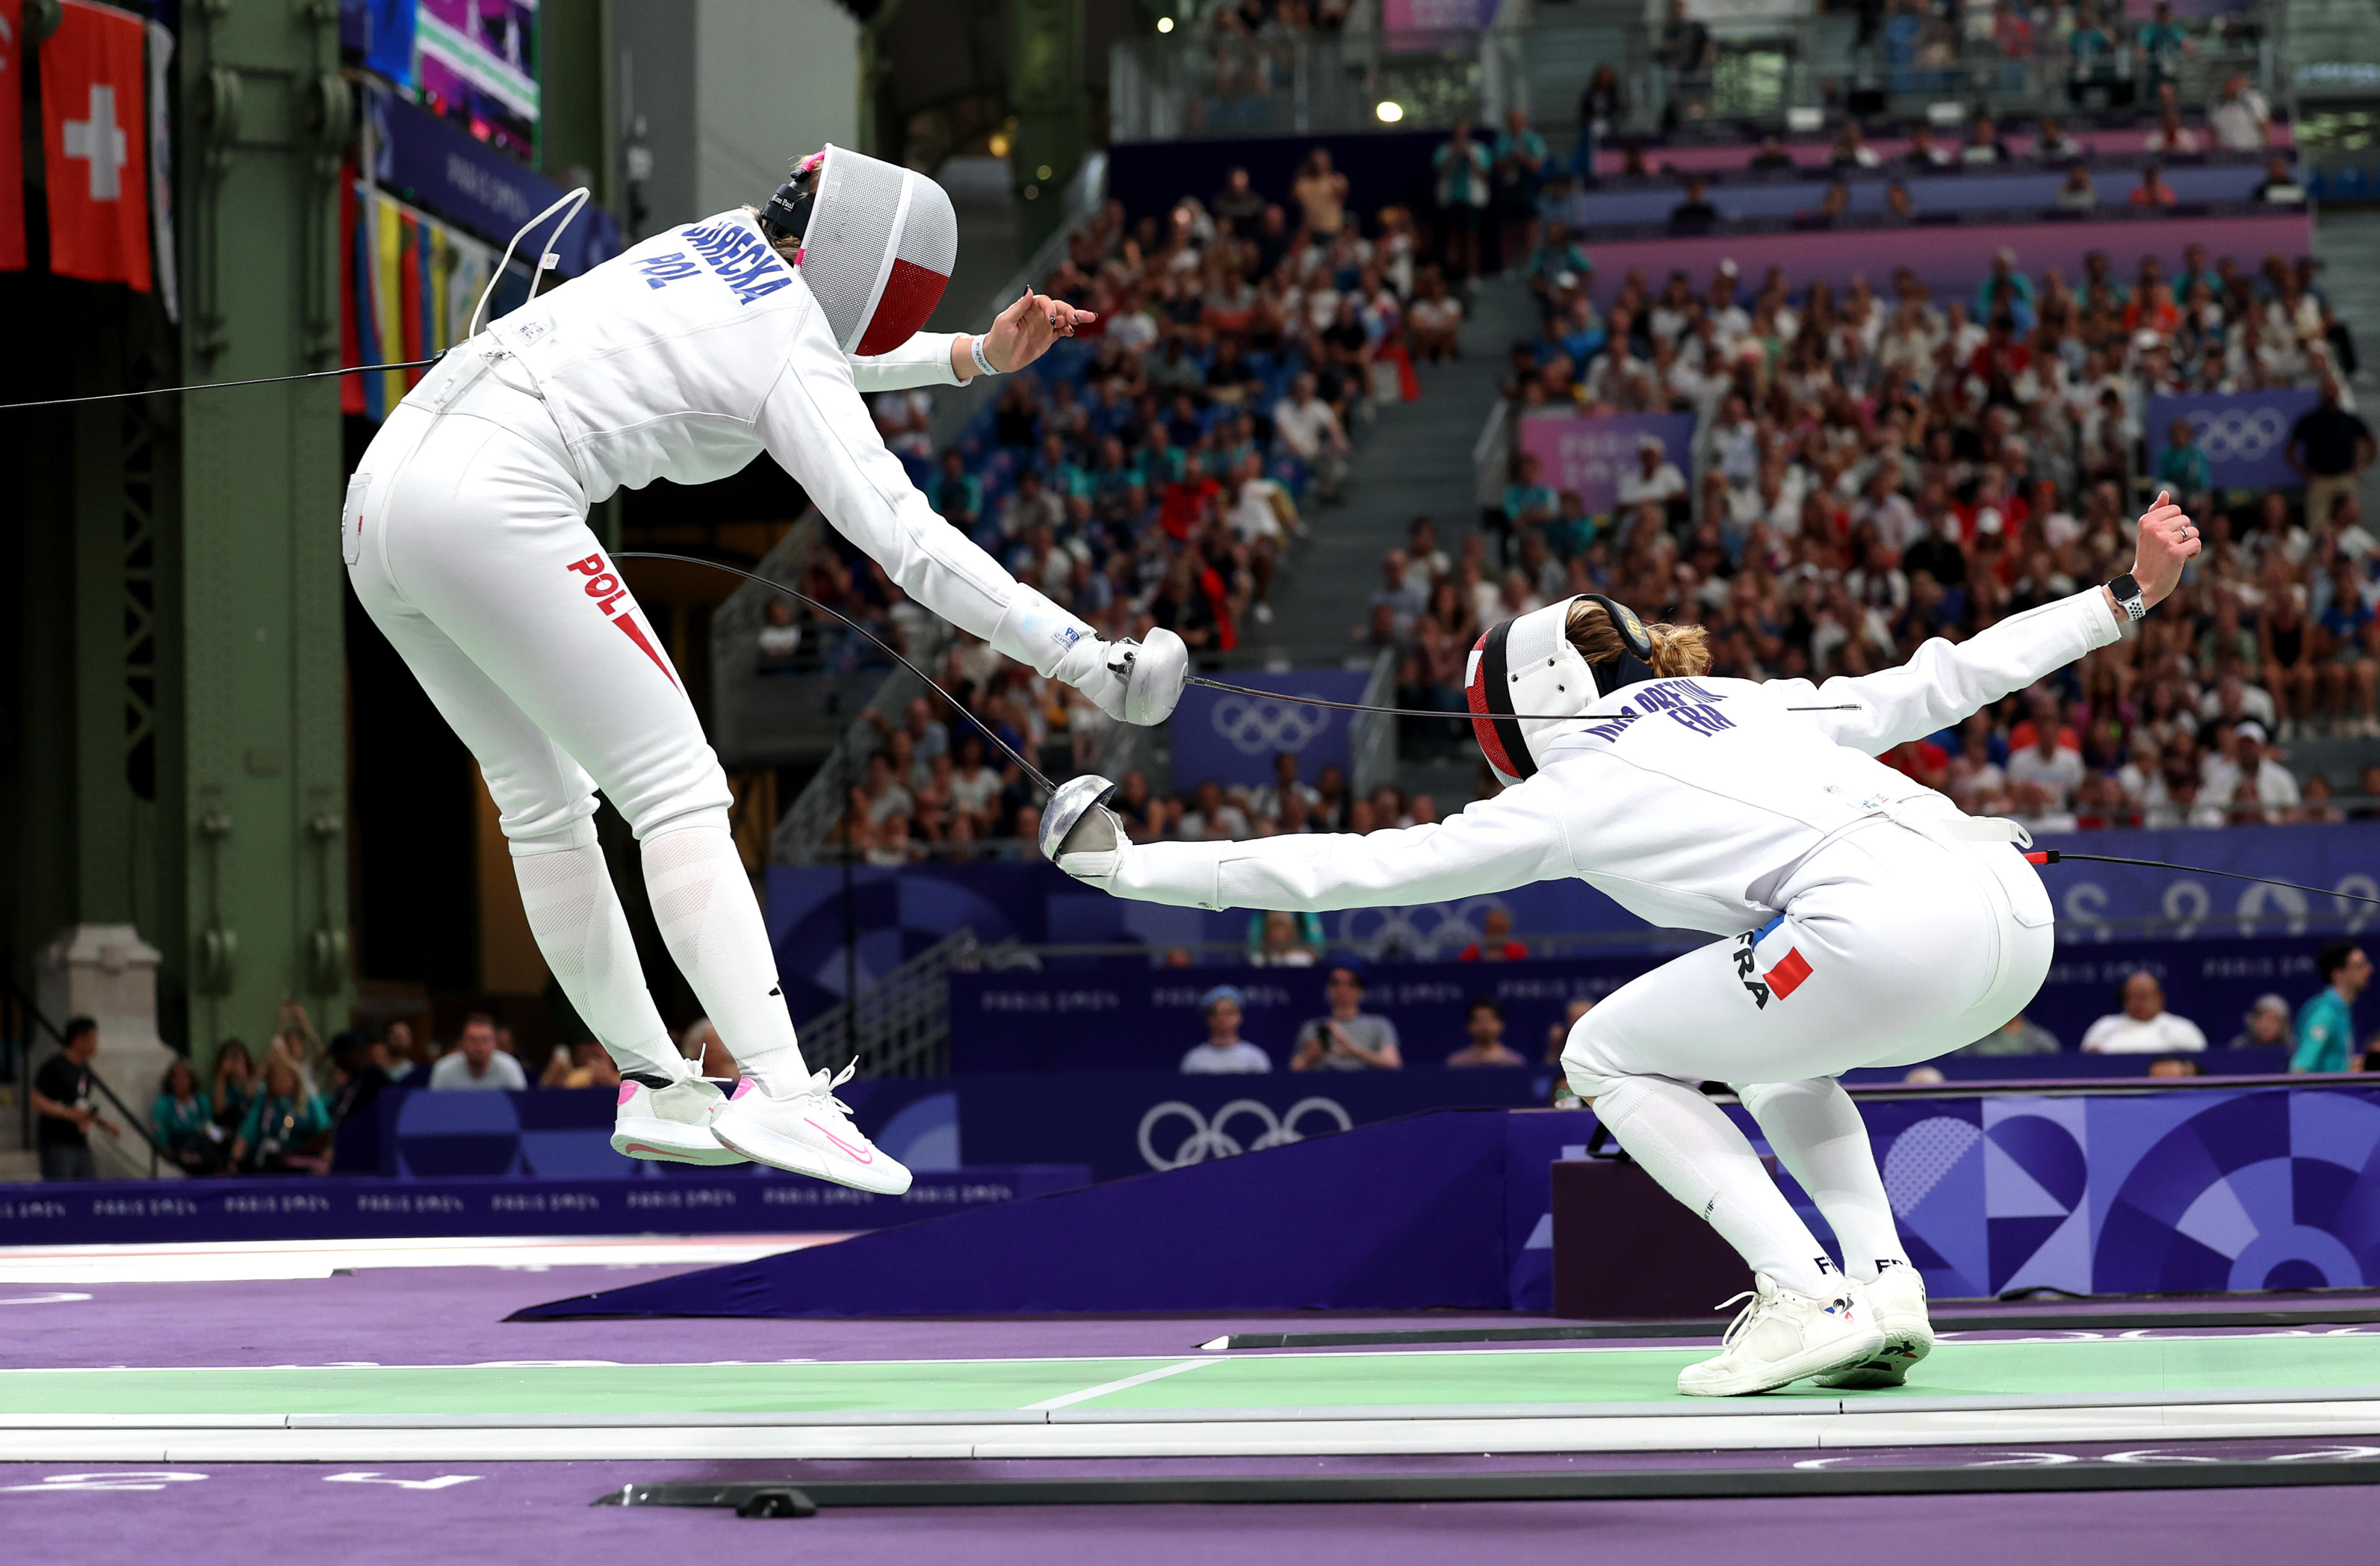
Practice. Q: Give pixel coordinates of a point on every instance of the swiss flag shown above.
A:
(12, 156)
(94, 137)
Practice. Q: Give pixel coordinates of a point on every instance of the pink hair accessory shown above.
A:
(811, 161)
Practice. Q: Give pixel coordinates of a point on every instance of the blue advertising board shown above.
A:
(2244, 434)
(1232, 739)
(442, 168)
(900, 913)
(1145, 1018)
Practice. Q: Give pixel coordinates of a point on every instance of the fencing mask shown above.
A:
(878, 244)
(1528, 665)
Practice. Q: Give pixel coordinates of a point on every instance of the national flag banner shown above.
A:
(94, 141)
(12, 156)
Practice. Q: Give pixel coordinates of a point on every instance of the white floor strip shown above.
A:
(1267, 1438)
(266, 1260)
(1104, 1387)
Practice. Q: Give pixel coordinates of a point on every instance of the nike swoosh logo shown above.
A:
(635, 1147)
(854, 1154)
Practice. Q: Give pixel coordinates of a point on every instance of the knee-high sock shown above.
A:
(1698, 1156)
(710, 921)
(1819, 1136)
(575, 913)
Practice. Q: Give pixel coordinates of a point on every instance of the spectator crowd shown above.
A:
(1872, 469)
(281, 1110)
(1153, 471)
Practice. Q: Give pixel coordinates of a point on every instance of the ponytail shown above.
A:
(1678, 650)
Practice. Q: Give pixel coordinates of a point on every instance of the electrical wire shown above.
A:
(1418, 711)
(2057, 855)
(548, 260)
(223, 386)
(1030, 770)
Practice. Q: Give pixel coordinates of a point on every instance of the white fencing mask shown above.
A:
(878, 242)
(1525, 680)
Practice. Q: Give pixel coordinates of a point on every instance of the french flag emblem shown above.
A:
(1788, 975)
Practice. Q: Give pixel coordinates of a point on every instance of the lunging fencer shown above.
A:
(1867, 921)
(465, 536)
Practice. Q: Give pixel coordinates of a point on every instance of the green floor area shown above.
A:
(1450, 1380)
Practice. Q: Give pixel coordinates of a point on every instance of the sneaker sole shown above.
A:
(1888, 1366)
(669, 1141)
(1809, 1363)
(800, 1157)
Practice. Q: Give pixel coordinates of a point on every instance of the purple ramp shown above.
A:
(1403, 1215)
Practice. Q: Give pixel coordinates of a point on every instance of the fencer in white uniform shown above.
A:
(465, 536)
(1868, 921)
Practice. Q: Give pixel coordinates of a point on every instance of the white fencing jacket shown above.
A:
(696, 350)
(1687, 801)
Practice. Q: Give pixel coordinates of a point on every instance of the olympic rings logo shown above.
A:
(2240, 434)
(1255, 726)
(1424, 931)
(1209, 1139)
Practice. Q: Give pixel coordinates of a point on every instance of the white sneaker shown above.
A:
(809, 1132)
(1896, 1302)
(672, 1124)
(1783, 1336)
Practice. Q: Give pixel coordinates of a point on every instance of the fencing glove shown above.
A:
(1082, 836)
(1135, 682)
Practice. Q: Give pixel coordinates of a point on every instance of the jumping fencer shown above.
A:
(465, 536)
(1867, 921)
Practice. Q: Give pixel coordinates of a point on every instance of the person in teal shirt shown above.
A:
(2326, 1023)
(2182, 467)
(2161, 45)
(286, 1127)
(183, 1122)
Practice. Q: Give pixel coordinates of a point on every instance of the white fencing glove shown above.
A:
(1136, 682)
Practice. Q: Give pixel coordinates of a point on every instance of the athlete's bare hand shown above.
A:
(1024, 330)
(2168, 541)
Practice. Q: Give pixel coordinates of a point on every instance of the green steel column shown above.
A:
(1045, 88)
(258, 779)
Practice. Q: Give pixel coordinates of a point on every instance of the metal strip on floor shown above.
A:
(1968, 1321)
(798, 1497)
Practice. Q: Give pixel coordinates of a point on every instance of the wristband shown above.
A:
(982, 362)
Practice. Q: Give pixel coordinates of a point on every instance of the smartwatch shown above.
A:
(2126, 590)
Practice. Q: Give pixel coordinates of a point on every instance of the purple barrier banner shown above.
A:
(1589, 452)
(1437, 15)
(2244, 434)
(1951, 257)
(693, 1201)
(2173, 1191)
(1232, 739)
(2176, 1190)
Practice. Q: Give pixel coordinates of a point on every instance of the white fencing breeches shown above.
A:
(466, 539)
(1894, 947)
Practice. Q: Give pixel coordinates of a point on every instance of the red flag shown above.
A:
(12, 157)
(94, 133)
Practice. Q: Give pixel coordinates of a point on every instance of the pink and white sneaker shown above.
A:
(672, 1124)
(809, 1132)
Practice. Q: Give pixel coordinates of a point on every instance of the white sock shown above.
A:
(575, 913)
(712, 924)
(1697, 1155)
(1820, 1138)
